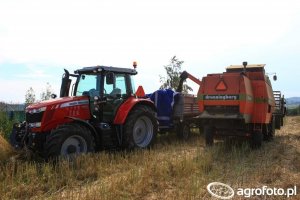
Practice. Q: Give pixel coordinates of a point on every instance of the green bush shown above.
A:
(5, 125)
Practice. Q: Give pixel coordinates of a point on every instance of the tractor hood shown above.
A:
(59, 103)
(47, 115)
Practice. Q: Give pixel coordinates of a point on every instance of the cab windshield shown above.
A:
(88, 85)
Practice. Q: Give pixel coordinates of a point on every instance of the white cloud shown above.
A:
(114, 32)
(15, 90)
(34, 72)
(95, 31)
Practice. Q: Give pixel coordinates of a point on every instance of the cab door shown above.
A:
(114, 92)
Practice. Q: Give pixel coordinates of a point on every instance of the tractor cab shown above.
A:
(106, 87)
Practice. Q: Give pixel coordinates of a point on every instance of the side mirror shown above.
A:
(110, 78)
(275, 77)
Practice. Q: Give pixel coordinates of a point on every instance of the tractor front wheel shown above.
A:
(68, 140)
(140, 129)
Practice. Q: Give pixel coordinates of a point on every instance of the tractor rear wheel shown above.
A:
(69, 140)
(140, 129)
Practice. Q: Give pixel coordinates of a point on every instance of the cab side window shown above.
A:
(117, 89)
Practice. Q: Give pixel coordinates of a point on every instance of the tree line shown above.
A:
(293, 111)
(31, 98)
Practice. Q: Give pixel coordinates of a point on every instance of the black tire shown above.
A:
(15, 138)
(69, 140)
(270, 131)
(183, 131)
(277, 122)
(140, 128)
(256, 139)
(209, 135)
(281, 120)
(201, 129)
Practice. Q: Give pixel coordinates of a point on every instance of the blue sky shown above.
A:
(40, 38)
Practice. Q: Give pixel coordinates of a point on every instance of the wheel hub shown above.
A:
(142, 132)
(71, 149)
(74, 144)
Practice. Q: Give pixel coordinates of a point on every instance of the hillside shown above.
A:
(171, 170)
(292, 101)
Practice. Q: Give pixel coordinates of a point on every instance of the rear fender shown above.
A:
(127, 106)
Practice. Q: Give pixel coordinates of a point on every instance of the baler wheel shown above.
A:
(257, 139)
(277, 122)
(269, 131)
(209, 136)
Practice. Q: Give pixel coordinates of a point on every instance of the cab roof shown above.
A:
(251, 68)
(97, 69)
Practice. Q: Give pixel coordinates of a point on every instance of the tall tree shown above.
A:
(46, 95)
(30, 96)
(173, 76)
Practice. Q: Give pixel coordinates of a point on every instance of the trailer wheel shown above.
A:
(69, 140)
(281, 120)
(183, 131)
(256, 140)
(277, 122)
(209, 136)
(140, 129)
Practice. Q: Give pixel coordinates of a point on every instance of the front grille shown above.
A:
(34, 117)
(222, 109)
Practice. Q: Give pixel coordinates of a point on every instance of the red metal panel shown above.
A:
(127, 106)
(57, 110)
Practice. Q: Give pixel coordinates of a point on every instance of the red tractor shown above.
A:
(103, 112)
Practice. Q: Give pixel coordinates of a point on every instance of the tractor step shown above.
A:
(108, 137)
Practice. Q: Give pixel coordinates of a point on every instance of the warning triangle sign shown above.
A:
(221, 86)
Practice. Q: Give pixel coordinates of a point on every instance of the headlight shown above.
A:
(35, 125)
(37, 110)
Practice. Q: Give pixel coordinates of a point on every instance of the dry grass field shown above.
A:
(171, 170)
(6, 150)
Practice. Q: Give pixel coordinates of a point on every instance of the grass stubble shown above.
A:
(172, 169)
